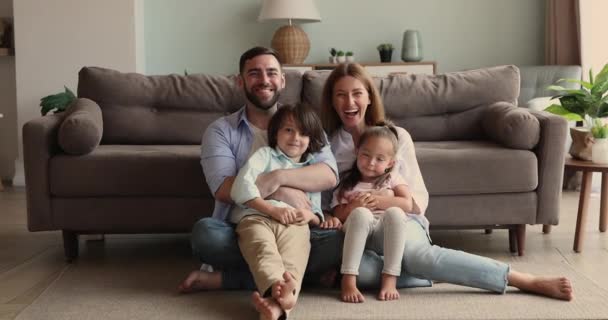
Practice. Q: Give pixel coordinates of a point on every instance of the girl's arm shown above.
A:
(402, 199)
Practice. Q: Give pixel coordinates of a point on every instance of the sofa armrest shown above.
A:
(511, 126)
(39, 145)
(551, 154)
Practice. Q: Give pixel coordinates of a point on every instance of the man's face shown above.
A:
(262, 81)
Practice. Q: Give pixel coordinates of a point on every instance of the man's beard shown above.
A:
(261, 104)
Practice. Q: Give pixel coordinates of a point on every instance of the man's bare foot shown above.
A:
(284, 292)
(200, 280)
(267, 307)
(388, 290)
(553, 287)
(350, 293)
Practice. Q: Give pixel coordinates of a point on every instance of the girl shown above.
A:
(274, 237)
(372, 200)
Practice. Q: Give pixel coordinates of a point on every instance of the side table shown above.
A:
(588, 168)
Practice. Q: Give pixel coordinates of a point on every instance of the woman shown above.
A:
(350, 103)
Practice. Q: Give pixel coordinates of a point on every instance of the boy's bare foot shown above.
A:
(267, 307)
(388, 290)
(350, 293)
(284, 292)
(201, 280)
(553, 287)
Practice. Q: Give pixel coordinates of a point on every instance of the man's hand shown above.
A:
(294, 197)
(285, 215)
(331, 223)
(268, 183)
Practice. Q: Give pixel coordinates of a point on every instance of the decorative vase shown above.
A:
(350, 59)
(582, 142)
(599, 151)
(333, 59)
(412, 46)
(386, 55)
(341, 59)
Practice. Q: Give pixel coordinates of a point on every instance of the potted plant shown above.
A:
(350, 56)
(332, 58)
(386, 52)
(58, 102)
(586, 104)
(340, 56)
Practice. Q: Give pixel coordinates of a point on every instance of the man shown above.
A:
(227, 144)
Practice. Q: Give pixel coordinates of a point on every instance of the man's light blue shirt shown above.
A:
(225, 147)
(266, 159)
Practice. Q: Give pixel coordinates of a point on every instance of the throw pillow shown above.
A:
(82, 128)
(511, 126)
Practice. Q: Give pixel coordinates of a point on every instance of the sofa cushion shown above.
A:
(82, 128)
(475, 167)
(167, 109)
(511, 126)
(130, 170)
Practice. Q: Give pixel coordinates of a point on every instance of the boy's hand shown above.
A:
(306, 216)
(331, 223)
(285, 215)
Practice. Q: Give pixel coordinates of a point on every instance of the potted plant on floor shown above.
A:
(587, 104)
(386, 52)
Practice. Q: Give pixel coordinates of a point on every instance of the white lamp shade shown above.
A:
(289, 9)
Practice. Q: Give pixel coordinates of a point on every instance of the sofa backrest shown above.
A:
(435, 107)
(536, 79)
(167, 109)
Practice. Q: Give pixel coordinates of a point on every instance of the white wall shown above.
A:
(594, 43)
(54, 39)
(8, 106)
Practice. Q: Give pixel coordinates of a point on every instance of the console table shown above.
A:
(588, 168)
(375, 69)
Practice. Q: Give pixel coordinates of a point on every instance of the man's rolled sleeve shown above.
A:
(217, 159)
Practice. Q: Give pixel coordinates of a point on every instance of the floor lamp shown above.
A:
(290, 41)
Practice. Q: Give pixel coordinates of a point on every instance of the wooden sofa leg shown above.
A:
(521, 239)
(546, 228)
(512, 240)
(70, 245)
(488, 231)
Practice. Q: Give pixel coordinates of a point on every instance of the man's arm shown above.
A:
(218, 161)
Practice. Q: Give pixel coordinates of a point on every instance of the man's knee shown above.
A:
(211, 236)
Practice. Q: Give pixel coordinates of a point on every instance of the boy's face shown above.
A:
(262, 80)
(291, 141)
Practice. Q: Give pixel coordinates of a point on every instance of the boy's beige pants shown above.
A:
(271, 248)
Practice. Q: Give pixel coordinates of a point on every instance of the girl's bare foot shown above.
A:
(267, 307)
(350, 293)
(284, 292)
(388, 291)
(553, 287)
(200, 280)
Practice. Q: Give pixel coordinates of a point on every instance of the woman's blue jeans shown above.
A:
(214, 242)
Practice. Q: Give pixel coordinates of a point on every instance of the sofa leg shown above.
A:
(521, 239)
(512, 240)
(488, 231)
(546, 228)
(70, 245)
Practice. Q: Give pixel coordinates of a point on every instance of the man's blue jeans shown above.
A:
(214, 242)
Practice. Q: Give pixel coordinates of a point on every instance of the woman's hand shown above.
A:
(331, 223)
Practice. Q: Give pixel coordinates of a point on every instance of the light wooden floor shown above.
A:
(30, 262)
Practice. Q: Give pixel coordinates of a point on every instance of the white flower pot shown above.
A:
(341, 59)
(599, 151)
(350, 59)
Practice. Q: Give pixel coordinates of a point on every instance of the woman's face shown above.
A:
(350, 100)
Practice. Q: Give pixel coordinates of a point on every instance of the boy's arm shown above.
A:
(281, 214)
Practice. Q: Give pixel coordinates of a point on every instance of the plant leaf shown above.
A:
(585, 84)
(603, 110)
(561, 111)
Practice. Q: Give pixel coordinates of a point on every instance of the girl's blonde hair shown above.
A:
(375, 111)
(384, 129)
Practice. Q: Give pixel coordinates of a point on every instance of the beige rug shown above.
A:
(140, 284)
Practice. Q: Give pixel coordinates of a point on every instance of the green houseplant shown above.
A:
(58, 102)
(386, 52)
(332, 55)
(589, 103)
(350, 56)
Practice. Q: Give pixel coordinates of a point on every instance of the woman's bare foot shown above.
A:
(553, 287)
(201, 280)
(267, 307)
(350, 293)
(284, 292)
(388, 290)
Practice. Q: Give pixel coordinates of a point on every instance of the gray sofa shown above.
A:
(125, 157)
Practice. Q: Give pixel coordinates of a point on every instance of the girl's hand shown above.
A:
(366, 200)
(331, 223)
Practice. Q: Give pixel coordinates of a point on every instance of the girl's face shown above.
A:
(291, 141)
(374, 157)
(350, 100)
